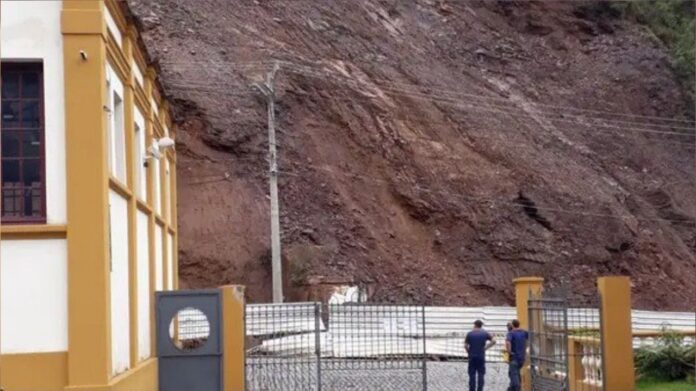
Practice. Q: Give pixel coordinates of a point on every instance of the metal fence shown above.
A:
(375, 347)
(565, 344)
(283, 346)
(359, 346)
(352, 346)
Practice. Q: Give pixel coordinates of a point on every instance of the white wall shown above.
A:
(34, 307)
(143, 286)
(159, 259)
(158, 186)
(113, 28)
(167, 207)
(170, 259)
(139, 152)
(120, 299)
(31, 30)
(137, 73)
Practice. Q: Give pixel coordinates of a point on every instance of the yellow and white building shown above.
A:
(88, 227)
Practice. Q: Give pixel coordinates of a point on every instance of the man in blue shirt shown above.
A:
(476, 343)
(516, 346)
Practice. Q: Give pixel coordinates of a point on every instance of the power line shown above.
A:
(487, 107)
(447, 100)
(459, 93)
(520, 117)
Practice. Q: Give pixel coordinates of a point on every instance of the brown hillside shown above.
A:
(436, 148)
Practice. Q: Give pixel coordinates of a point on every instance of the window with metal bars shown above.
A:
(23, 149)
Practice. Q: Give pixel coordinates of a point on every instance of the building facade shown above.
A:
(88, 230)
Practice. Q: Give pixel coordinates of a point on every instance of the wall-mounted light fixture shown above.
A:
(155, 150)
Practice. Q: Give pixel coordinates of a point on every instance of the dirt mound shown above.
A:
(436, 149)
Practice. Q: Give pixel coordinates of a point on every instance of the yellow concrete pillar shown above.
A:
(89, 319)
(617, 341)
(129, 44)
(233, 337)
(524, 287)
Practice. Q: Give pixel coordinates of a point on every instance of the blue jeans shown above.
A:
(514, 373)
(477, 370)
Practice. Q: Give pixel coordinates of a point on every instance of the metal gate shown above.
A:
(548, 342)
(565, 343)
(189, 340)
(369, 347)
(283, 346)
(376, 347)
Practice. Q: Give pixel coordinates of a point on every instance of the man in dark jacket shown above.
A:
(476, 343)
(516, 346)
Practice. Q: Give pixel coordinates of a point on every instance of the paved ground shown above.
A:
(282, 375)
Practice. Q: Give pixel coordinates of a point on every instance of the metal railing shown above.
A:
(311, 346)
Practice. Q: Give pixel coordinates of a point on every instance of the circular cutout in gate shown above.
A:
(189, 329)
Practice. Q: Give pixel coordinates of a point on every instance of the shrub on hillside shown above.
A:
(668, 360)
(672, 21)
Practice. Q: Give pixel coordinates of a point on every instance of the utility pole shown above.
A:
(1, 317)
(268, 89)
(1, 388)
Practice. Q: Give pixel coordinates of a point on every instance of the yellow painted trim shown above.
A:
(233, 337)
(78, 19)
(159, 221)
(140, 58)
(660, 333)
(141, 100)
(116, 185)
(131, 169)
(117, 15)
(159, 130)
(617, 339)
(28, 232)
(165, 166)
(34, 371)
(89, 312)
(165, 260)
(143, 207)
(149, 84)
(143, 377)
(118, 62)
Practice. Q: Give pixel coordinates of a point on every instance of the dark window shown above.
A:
(23, 152)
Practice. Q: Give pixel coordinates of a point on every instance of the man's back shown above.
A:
(476, 341)
(518, 344)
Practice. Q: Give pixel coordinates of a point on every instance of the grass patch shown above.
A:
(659, 385)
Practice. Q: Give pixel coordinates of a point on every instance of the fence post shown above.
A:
(233, 357)
(425, 351)
(617, 340)
(317, 340)
(524, 288)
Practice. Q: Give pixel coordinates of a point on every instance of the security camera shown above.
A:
(165, 143)
(154, 152)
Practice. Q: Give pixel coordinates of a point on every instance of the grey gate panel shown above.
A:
(196, 364)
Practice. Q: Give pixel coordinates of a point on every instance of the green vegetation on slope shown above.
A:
(673, 22)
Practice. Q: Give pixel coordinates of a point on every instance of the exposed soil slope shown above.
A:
(432, 147)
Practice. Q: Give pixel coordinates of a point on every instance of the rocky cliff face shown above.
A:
(434, 148)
